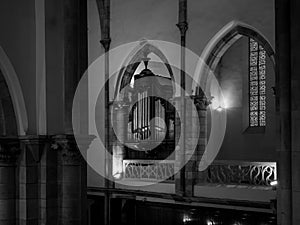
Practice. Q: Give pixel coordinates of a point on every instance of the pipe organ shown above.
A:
(148, 119)
(150, 128)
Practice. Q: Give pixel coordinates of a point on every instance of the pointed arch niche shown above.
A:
(220, 43)
(133, 61)
(15, 111)
(238, 141)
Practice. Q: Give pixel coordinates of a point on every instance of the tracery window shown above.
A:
(257, 84)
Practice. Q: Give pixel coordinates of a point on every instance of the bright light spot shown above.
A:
(117, 175)
(117, 167)
(220, 109)
(186, 218)
(210, 222)
(218, 103)
(274, 183)
(237, 223)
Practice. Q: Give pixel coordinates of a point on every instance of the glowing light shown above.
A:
(220, 109)
(186, 218)
(274, 183)
(210, 222)
(219, 103)
(237, 223)
(117, 176)
(117, 160)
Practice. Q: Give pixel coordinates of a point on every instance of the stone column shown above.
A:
(191, 139)
(7, 184)
(283, 81)
(183, 27)
(28, 174)
(201, 102)
(120, 120)
(295, 109)
(179, 151)
(104, 16)
(75, 53)
(196, 126)
(48, 195)
(70, 175)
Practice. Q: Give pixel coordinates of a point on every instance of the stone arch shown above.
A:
(15, 92)
(133, 60)
(220, 43)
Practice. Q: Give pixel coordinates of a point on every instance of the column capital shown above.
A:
(9, 151)
(106, 43)
(120, 105)
(183, 27)
(69, 148)
(201, 101)
(36, 144)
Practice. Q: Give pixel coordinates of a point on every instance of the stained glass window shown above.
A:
(257, 84)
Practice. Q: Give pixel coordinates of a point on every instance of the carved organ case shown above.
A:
(151, 126)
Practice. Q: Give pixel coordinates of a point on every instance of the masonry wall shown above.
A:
(17, 24)
(240, 143)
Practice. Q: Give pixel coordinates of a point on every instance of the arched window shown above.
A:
(257, 84)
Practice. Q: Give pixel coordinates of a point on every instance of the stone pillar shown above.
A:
(7, 184)
(28, 170)
(120, 120)
(201, 102)
(196, 127)
(179, 151)
(66, 60)
(283, 81)
(48, 196)
(183, 27)
(104, 16)
(191, 140)
(70, 174)
(295, 109)
(75, 53)
(196, 135)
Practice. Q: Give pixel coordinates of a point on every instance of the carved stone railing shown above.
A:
(148, 170)
(242, 173)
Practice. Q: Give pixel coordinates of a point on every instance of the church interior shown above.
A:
(149, 112)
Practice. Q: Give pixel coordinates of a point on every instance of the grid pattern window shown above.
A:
(257, 84)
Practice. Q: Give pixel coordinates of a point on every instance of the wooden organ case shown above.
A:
(151, 126)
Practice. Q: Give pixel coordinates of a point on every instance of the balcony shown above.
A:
(237, 180)
(242, 173)
(148, 170)
(242, 181)
(260, 174)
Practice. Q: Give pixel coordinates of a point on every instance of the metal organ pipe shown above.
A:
(144, 115)
(135, 122)
(139, 114)
(149, 116)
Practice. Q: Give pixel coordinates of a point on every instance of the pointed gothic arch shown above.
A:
(132, 62)
(220, 43)
(15, 92)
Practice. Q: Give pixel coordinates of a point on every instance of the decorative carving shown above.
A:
(201, 101)
(9, 152)
(148, 170)
(68, 150)
(68, 147)
(247, 173)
